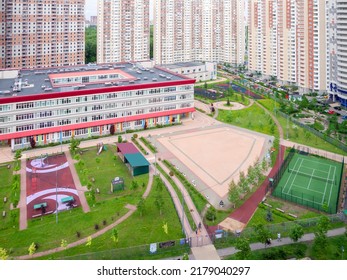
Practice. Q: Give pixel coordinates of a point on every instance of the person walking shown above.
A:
(279, 237)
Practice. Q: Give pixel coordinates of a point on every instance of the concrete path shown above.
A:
(275, 243)
(80, 189)
(23, 219)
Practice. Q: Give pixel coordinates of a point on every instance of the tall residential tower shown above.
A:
(199, 30)
(123, 30)
(41, 33)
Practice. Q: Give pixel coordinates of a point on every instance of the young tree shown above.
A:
(296, 232)
(89, 241)
(3, 254)
(32, 249)
(32, 142)
(242, 244)
(234, 193)
(114, 235)
(262, 233)
(321, 238)
(141, 206)
(134, 185)
(74, 145)
(165, 228)
(159, 202)
(63, 244)
(112, 129)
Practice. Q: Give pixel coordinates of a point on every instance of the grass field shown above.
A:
(312, 182)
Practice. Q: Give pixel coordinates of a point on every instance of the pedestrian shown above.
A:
(279, 237)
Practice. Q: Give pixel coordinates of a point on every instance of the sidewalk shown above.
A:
(285, 241)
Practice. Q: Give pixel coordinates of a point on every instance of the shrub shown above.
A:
(78, 234)
(96, 226)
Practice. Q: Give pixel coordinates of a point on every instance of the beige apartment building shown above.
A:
(123, 32)
(41, 33)
(287, 40)
(199, 30)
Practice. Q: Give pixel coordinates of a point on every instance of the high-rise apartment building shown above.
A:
(337, 50)
(41, 33)
(199, 30)
(123, 30)
(287, 39)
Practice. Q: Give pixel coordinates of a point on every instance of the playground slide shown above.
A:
(100, 150)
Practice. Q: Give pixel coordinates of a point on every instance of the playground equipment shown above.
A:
(100, 147)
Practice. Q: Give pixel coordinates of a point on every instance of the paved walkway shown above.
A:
(80, 189)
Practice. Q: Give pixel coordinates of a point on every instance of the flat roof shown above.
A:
(183, 64)
(40, 81)
(136, 160)
(127, 148)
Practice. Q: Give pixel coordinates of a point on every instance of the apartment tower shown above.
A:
(337, 50)
(287, 40)
(41, 33)
(123, 31)
(199, 30)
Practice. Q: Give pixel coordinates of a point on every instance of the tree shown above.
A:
(165, 228)
(89, 241)
(211, 214)
(141, 206)
(74, 145)
(32, 249)
(112, 129)
(242, 244)
(134, 185)
(32, 142)
(262, 233)
(63, 244)
(114, 235)
(159, 202)
(120, 139)
(3, 254)
(90, 44)
(296, 232)
(159, 184)
(234, 193)
(17, 157)
(243, 182)
(321, 239)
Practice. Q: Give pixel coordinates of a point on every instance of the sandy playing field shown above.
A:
(216, 155)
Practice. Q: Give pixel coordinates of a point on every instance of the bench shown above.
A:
(292, 215)
(67, 199)
(279, 209)
(4, 213)
(268, 205)
(40, 205)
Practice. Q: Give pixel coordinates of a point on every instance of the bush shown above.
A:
(211, 214)
(96, 226)
(78, 234)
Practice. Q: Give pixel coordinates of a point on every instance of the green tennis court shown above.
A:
(312, 182)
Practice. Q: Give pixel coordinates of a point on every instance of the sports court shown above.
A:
(216, 155)
(311, 181)
(49, 186)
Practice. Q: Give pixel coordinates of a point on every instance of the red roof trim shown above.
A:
(101, 90)
(93, 123)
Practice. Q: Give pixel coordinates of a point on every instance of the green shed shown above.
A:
(138, 164)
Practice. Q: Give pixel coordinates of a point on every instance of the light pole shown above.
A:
(56, 194)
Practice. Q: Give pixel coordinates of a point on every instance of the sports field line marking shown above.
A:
(301, 187)
(295, 177)
(306, 199)
(309, 182)
(331, 186)
(325, 188)
(290, 175)
(305, 159)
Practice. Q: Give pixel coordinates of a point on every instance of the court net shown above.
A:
(331, 181)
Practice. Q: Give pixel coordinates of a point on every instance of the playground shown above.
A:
(49, 185)
(311, 181)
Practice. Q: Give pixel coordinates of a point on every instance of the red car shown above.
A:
(331, 112)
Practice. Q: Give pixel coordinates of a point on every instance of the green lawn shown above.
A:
(108, 167)
(253, 118)
(298, 134)
(135, 231)
(10, 190)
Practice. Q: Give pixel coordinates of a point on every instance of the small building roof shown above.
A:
(136, 160)
(127, 148)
